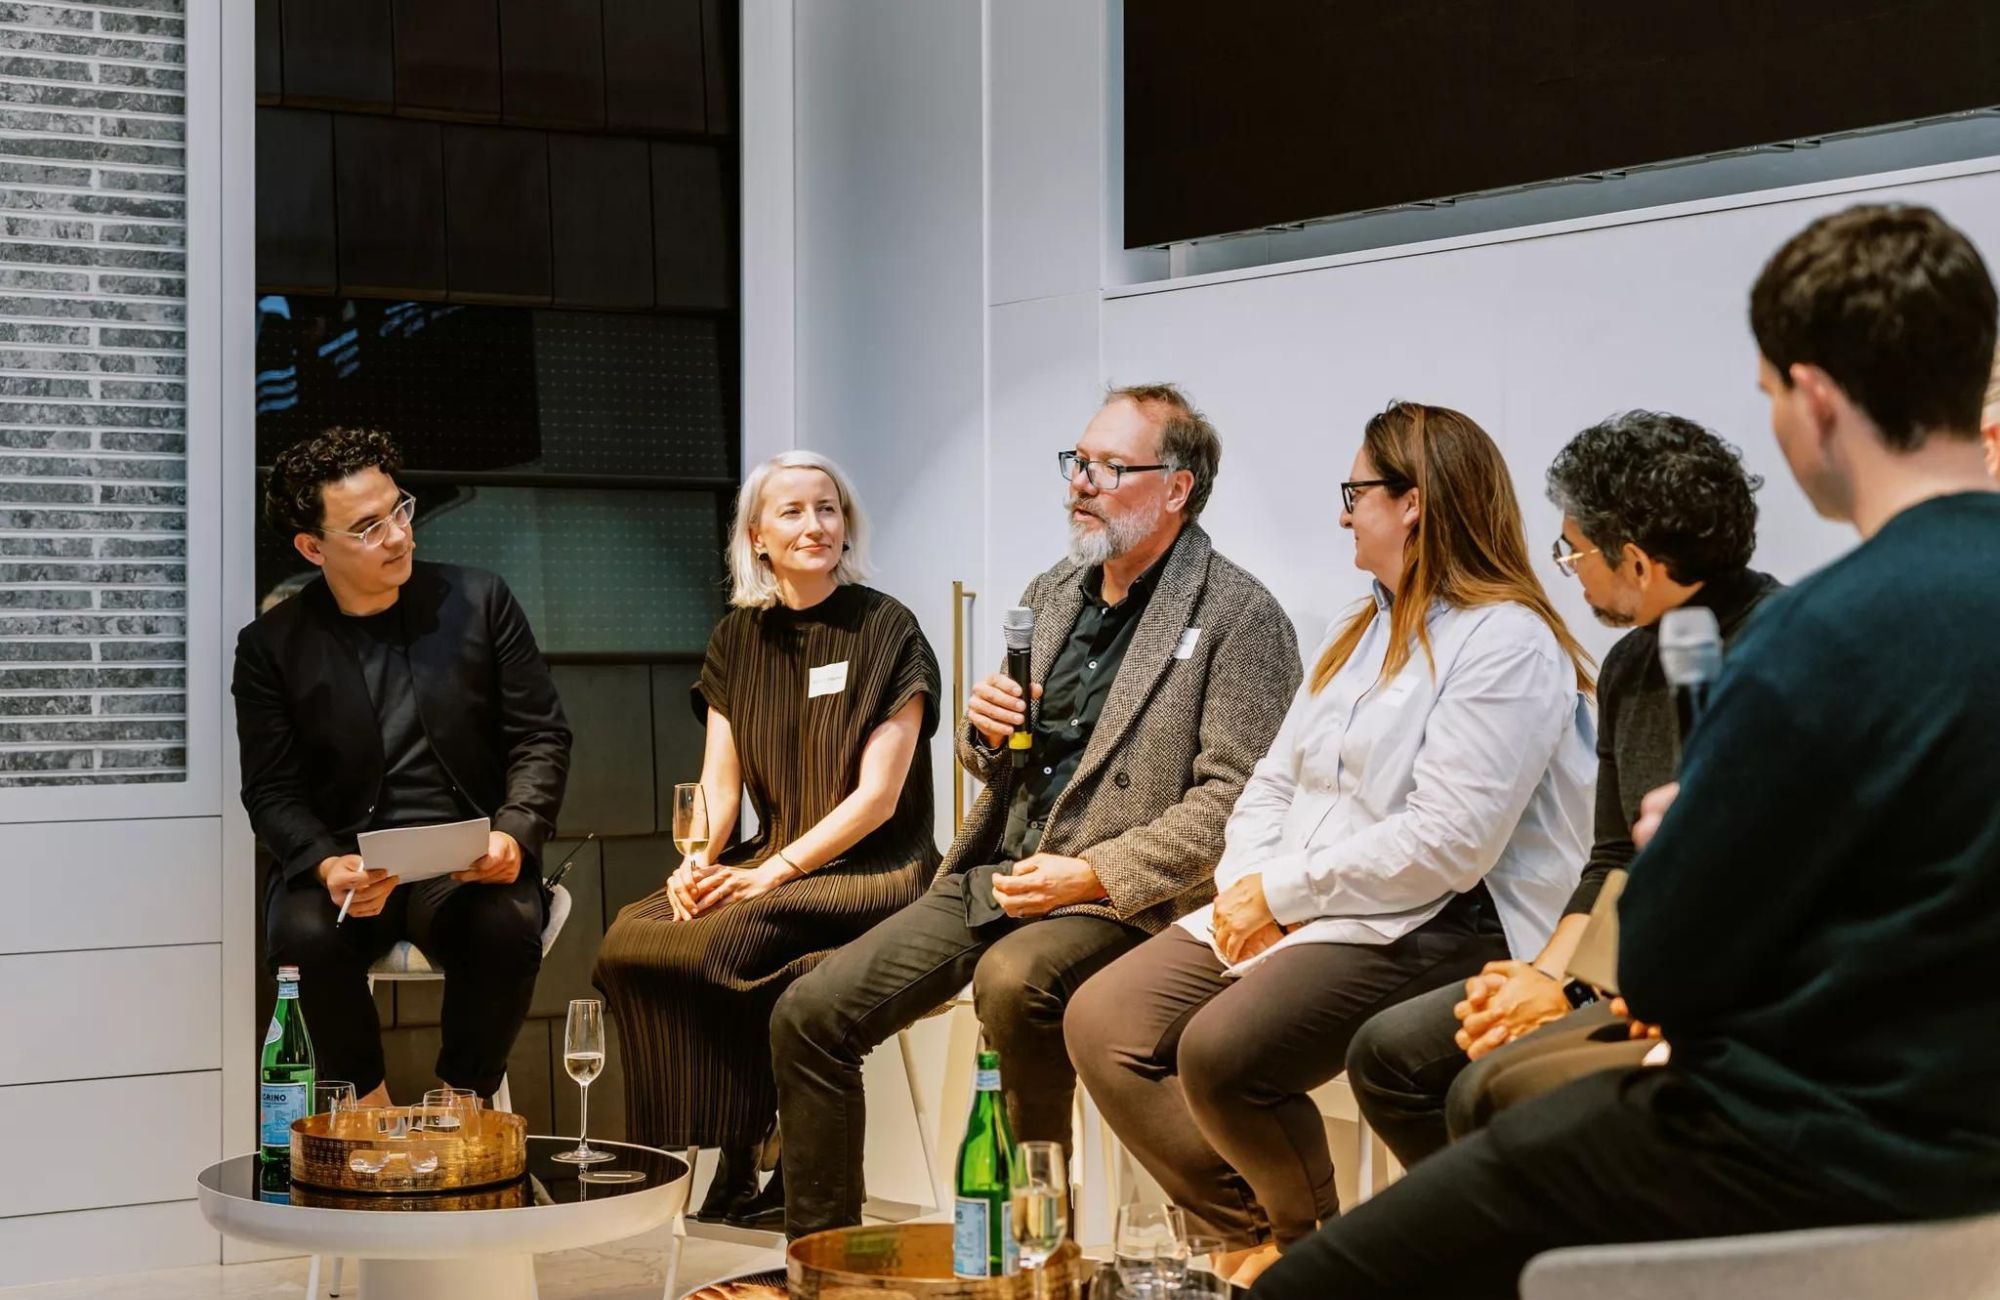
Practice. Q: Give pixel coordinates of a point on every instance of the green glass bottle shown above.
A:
(285, 1073)
(982, 1239)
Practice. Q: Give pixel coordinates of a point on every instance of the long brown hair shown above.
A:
(1468, 547)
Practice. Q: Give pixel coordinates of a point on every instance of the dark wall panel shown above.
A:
(611, 760)
(270, 51)
(1307, 109)
(552, 62)
(603, 221)
(718, 44)
(339, 53)
(653, 65)
(390, 175)
(497, 209)
(691, 222)
(295, 229)
(448, 57)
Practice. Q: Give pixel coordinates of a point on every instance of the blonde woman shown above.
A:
(819, 696)
(1423, 811)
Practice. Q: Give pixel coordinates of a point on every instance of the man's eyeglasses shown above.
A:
(1351, 491)
(1567, 557)
(1104, 475)
(374, 534)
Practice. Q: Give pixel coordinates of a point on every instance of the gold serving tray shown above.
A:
(490, 1148)
(910, 1261)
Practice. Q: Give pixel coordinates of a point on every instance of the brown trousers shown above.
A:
(1204, 1077)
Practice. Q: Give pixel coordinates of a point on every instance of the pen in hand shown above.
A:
(345, 903)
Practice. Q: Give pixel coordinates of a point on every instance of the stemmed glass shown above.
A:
(583, 1057)
(1040, 1190)
(1149, 1247)
(690, 818)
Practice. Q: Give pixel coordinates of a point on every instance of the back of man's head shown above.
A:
(1896, 306)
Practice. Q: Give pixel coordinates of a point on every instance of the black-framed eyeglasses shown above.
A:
(1567, 557)
(1351, 490)
(374, 534)
(1096, 471)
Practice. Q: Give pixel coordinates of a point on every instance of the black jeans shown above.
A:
(1417, 1090)
(488, 938)
(1022, 973)
(1618, 1156)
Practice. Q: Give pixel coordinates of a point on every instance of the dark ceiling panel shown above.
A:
(295, 231)
(653, 66)
(448, 58)
(602, 220)
(552, 62)
(391, 186)
(339, 54)
(496, 182)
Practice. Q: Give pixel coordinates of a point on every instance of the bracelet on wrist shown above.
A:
(780, 856)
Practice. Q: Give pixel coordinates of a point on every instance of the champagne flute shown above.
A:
(690, 818)
(1147, 1245)
(1040, 1189)
(583, 1057)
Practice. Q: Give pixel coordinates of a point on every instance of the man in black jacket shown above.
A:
(392, 694)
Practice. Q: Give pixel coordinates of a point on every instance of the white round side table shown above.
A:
(438, 1247)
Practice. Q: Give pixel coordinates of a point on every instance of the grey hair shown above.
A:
(752, 584)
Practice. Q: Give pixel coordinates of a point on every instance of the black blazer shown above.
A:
(312, 749)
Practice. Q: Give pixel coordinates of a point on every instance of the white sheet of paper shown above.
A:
(413, 853)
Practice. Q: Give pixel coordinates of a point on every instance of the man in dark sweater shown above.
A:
(1815, 919)
(1657, 513)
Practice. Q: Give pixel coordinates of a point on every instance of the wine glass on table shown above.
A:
(1149, 1247)
(583, 1057)
(1040, 1191)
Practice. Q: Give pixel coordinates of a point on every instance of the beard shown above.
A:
(1611, 617)
(1091, 547)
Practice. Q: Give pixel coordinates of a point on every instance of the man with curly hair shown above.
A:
(1657, 513)
(391, 693)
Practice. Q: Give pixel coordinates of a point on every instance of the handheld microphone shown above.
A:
(1017, 628)
(1691, 657)
(562, 868)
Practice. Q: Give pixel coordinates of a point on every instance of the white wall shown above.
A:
(126, 1050)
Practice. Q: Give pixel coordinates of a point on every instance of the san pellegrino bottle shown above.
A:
(982, 1239)
(285, 1073)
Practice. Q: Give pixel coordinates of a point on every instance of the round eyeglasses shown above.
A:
(376, 533)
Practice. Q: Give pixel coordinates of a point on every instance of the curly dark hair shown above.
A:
(293, 498)
(1664, 484)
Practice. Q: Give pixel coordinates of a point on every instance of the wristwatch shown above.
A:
(1579, 995)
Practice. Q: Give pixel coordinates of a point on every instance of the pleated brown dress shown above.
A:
(692, 999)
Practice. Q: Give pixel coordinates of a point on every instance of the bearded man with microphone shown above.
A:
(1158, 675)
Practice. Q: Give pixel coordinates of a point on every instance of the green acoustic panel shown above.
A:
(618, 572)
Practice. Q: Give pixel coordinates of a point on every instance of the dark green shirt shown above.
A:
(1073, 694)
(1816, 926)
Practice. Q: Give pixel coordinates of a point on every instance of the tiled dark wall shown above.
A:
(93, 404)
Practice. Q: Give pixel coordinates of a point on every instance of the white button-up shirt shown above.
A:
(1380, 801)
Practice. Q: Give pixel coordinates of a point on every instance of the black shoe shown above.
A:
(735, 1182)
(764, 1211)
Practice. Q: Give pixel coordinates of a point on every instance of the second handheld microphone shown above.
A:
(1691, 657)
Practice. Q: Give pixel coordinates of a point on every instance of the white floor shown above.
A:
(621, 1270)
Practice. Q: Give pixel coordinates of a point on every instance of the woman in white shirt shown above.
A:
(1425, 809)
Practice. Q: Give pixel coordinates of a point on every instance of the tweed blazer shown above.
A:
(1197, 701)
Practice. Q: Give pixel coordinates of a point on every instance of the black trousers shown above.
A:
(1022, 973)
(1204, 1075)
(1418, 1091)
(487, 938)
(1618, 1156)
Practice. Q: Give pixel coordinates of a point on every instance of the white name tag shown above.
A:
(1184, 648)
(827, 679)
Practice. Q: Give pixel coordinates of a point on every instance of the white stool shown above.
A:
(406, 963)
